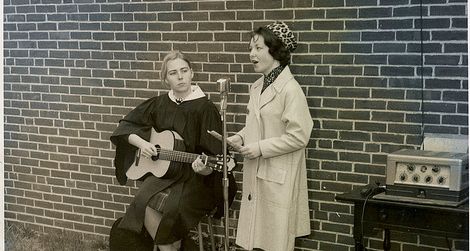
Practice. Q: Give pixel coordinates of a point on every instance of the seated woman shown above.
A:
(170, 205)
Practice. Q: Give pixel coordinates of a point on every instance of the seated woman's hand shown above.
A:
(200, 168)
(148, 150)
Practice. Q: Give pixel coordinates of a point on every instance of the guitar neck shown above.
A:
(177, 156)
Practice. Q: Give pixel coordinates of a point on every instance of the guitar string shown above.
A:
(178, 155)
(183, 156)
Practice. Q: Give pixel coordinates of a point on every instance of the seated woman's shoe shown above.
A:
(125, 240)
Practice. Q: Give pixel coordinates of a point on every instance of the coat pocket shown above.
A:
(272, 173)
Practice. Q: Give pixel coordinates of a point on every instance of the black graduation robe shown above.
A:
(192, 195)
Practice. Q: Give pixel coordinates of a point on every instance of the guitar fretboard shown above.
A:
(179, 156)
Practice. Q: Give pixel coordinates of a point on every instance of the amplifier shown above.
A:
(427, 177)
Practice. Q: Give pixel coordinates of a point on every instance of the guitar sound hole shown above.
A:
(155, 158)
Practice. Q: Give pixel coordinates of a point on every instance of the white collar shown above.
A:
(196, 93)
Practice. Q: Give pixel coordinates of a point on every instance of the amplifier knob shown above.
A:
(415, 178)
(403, 176)
(428, 179)
(421, 193)
(411, 167)
(441, 180)
(436, 169)
(424, 169)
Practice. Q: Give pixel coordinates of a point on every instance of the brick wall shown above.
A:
(73, 68)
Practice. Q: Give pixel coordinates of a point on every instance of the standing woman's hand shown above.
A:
(235, 142)
(235, 139)
(251, 151)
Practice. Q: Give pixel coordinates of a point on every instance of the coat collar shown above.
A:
(273, 89)
(278, 83)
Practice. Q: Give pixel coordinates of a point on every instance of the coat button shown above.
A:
(249, 196)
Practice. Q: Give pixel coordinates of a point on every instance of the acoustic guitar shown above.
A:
(169, 145)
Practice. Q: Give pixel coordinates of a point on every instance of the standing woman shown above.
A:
(274, 205)
(167, 208)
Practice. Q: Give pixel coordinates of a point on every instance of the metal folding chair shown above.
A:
(211, 233)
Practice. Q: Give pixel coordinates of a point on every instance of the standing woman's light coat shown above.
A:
(274, 208)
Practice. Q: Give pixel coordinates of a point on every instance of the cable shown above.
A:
(362, 216)
(370, 193)
(422, 71)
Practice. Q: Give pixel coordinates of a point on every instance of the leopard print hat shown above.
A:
(282, 31)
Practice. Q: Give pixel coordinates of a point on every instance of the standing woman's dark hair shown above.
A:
(279, 39)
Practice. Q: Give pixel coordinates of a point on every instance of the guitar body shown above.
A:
(170, 158)
(160, 168)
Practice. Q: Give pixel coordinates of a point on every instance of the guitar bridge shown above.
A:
(137, 157)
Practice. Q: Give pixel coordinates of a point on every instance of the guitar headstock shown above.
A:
(217, 163)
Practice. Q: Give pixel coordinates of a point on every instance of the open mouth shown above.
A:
(254, 61)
